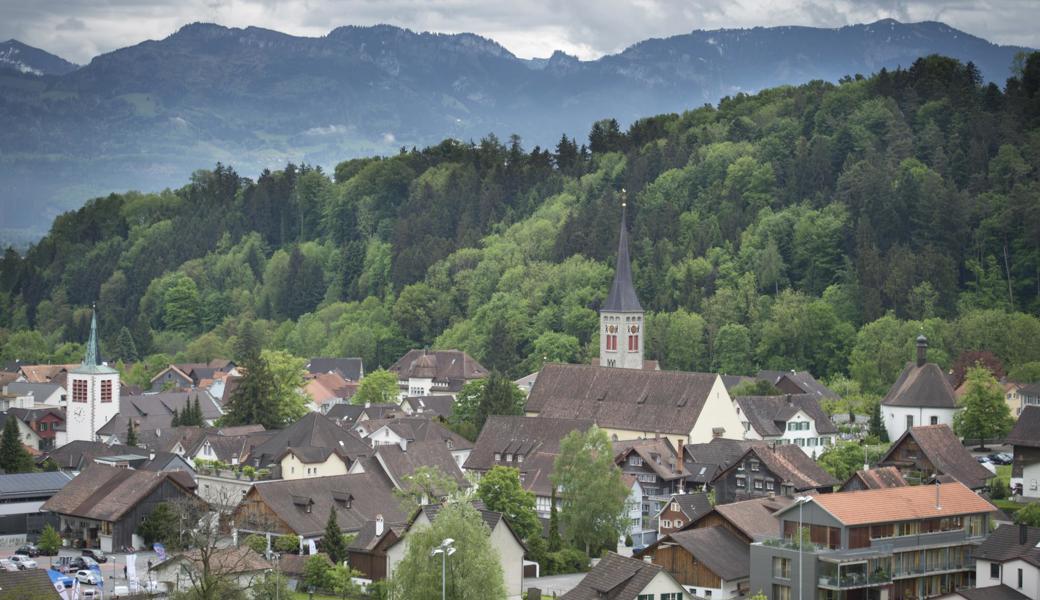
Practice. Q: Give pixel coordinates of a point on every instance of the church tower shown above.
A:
(621, 332)
(94, 390)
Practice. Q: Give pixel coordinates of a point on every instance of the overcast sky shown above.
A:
(80, 29)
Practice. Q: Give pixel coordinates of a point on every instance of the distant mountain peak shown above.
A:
(28, 60)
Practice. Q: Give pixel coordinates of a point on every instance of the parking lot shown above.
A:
(112, 571)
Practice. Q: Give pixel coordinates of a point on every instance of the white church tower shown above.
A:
(94, 392)
(621, 334)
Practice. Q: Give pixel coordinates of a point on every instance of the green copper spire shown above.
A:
(93, 357)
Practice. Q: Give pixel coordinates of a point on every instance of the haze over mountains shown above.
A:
(146, 116)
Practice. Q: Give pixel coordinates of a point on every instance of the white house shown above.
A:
(1025, 439)
(922, 395)
(620, 578)
(1010, 557)
(94, 390)
(794, 419)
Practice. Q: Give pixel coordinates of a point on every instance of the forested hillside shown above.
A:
(817, 227)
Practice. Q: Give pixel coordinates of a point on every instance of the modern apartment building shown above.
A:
(903, 543)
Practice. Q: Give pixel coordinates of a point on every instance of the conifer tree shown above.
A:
(176, 420)
(332, 541)
(14, 458)
(877, 427)
(126, 349)
(131, 434)
(555, 542)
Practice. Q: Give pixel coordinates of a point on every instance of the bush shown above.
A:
(998, 489)
(567, 560)
(628, 541)
(287, 544)
(257, 543)
(249, 471)
(50, 541)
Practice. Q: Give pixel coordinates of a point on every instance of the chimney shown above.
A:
(379, 525)
(922, 350)
(1023, 533)
(404, 445)
(648, 559)
(717, 432)
(938, 501)
(151, 455)
(787, 397)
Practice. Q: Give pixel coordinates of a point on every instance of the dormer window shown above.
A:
(509, 457)
(498, 456)
(450, 444)
(519, 458)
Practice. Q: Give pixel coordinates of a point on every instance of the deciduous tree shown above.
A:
(984, 414)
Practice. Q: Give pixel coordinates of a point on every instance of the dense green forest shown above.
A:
(816, 227)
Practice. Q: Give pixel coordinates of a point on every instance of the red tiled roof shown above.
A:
(902, 503)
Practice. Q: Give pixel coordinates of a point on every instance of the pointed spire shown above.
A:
(93, 357)
(622, 297)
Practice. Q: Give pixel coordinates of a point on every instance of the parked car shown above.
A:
(90, 594)
(120, 591)
(87, 576)
(98, 555)
(1007, 456)
(23, 562)
(79, 563)
(7, 565)
(28, 550)
(983, 460)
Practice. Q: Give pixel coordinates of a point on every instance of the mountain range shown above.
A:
(146, 116)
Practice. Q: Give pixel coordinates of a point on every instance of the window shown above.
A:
(770, 485)
(781, 592)
(781, 567)
(740, 482)
(509, 457)
(909, 421)
(635, 461)
(994, 570)
(754, 465)
(498, 456)
(106, 390)
(646, 478)
(43, 427)
(645, 597)
(825, 441)
(934, 420)
(758, 484)
(666, 523)
(675, 507)
(1020, 579)
(79, 390)
(678, 523)
(672, 596)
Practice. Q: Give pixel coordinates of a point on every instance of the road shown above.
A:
(558, 584)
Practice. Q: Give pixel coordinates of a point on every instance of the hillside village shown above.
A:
(712, 485)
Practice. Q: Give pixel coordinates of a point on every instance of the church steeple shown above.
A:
(93, 357)
(622, 296)
(621, 317)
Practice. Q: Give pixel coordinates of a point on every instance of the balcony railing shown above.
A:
(855, 580)
(966, 565)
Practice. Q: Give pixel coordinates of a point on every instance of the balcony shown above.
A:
(855, 580)
(939, 569)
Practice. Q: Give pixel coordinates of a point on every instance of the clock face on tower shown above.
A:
(78, 412)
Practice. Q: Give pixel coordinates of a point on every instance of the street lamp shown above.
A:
(800, 501)
(445, 550)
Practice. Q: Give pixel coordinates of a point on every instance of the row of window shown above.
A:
(798, 426)
(509, 456)
(612, 345)
(807, 442)
(994, 573)
(79, 390)
(669, 523)
(664, 596)
(758, 483)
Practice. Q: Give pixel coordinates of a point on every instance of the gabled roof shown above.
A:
(667, 402)
(717, 548)
(622, 296)
(694, 506)
(225, 561)
(902, 503)
(327, 387)
(617, 578)
(721, 452)
(370, 495)
(79, 454)
(1027, 430)
(878, 478)
(399, 463)
(453, 367)
(768, 415)
(173, 369)
(754, 518)
(1011, 542)
(313, 429)
(348, 368)
(802, 379)
(39, 391)
(107, 493)
(164, 403)
(944, 450)
(366, 539)
(28, 485)
(420, 429)
(793, 466)
(992, 592)
(32, 584)
(43, 373)
(924, 386)
(537, 439)
(441, 406)
(26, 415)
(348, 413)
(657, 453)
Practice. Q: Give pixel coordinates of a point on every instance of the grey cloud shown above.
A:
(79, 29)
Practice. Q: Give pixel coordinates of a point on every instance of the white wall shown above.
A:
(728, 590)
(1030, 578)
(663, 583)
(895, 418)
(1031, 480)
(718, 411)
(83, 419)
(294, 468)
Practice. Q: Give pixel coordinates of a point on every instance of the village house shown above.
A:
(1030, 396)
(508, 546)
(191, 375)
(899, 543)
(302, 506)
(34, 584)
(631, 403)
(710, 562)
(239, 566)
(103, 506)
(435, 372)
(529, 444)
(922, 395)
(21, 496)
(768, 471)
(638, 533)
(656, 465)
(619, 578)
(1009, 560)
(398, 461)
(750, 520)
(705, 461)
(350, 369)
(44, 422)
(929, 451)
(874, 479)
(789, 419)
(1025, 440)
(441, 407)
(166, 403)
(29, 437)
(50, 394)
(326, 390)
(379, 432)
(313, 430)
(680, 510)
(798, 382)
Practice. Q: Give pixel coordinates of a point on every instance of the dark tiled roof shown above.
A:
(421, 429)
(366, 539)
(30, 584)
(616, 578)
(370, 494)
(622, 296)
(22, 485)
(657, 453)
(348, 413)
(223, 560)
(106, 493)
(719, 451)
(944, 450)
(80, 454)
(694, 506)
(718, 548)
(348, 368)
(441, 406)
(925, 386)
(878, 478)
(768, 415)
(313, 429)
(295, 564)
(536, 438)
(452, 366)
(39, 391)
(398, 463)
(754, 518)
(379, 411)
(1027, 430)
(993, 592)
(629, 399)
(1004, 544)
(802, 379)
(792, 465)
(165, 403)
